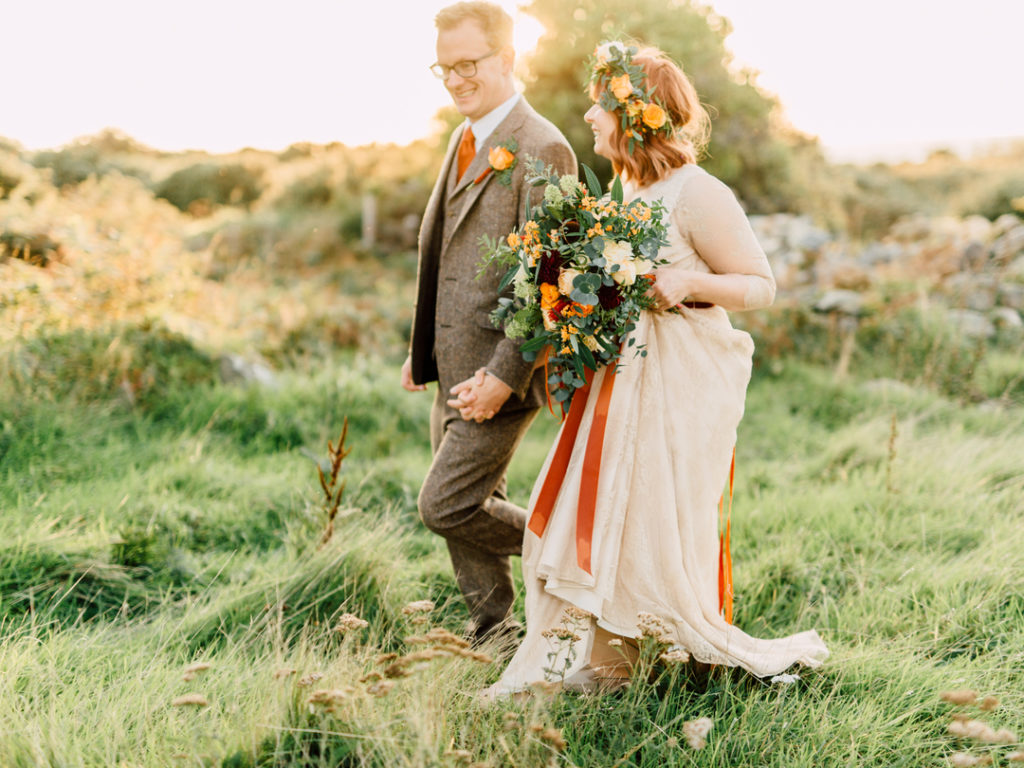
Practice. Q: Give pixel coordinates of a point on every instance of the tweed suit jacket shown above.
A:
(452, 334)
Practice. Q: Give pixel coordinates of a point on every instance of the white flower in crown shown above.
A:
(604, 52)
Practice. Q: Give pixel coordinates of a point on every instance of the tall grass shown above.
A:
(141, 536)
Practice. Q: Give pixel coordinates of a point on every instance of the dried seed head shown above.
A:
(191, 700)
(418, 606)
(960, 697)
(966, 759)
(284, 672)
(370, 677)
(976, 729)
(988, 703)
(381, 688)
(675, 656)
(1004, 736)
(615, 642)
(330, 697)
(309, 679)
(696, 731)
(553, 736)
(461, 755)
(348, 622)
(1016, 757)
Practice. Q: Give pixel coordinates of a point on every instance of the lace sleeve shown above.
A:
(708, 214)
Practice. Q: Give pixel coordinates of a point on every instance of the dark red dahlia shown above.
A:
(609, 296)
(548, 269)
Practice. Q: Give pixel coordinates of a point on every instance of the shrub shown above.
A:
(213, 184)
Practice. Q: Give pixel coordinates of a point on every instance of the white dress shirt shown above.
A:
(485, 126)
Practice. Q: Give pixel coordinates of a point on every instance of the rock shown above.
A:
(1009, 246)
(236, 369)
(1004, 224)
(880, 253)
(1005, 317)
(842, 301)
(1011, 295)
(971, 323)
(975, 256)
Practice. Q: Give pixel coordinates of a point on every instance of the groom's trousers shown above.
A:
(464, 500)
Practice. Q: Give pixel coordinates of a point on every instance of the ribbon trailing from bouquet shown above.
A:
(591, 466)
(725, 591)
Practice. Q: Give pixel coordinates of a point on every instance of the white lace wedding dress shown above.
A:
(668, 442)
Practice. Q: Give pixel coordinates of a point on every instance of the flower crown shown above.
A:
(623, 88)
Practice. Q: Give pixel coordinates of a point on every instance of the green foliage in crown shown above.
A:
(623, 90)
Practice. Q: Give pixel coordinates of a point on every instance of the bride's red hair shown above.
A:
(659, 154)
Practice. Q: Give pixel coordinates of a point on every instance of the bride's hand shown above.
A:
(671, 287)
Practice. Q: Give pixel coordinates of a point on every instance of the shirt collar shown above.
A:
(485, 126)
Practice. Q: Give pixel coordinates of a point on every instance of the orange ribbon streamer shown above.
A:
(725, 591)
(591, 467)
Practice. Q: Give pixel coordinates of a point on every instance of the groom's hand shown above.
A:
(407, 382)
(480, 397)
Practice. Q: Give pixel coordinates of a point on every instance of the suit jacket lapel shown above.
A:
(499, 135)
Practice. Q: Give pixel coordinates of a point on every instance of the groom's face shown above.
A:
(492, 84)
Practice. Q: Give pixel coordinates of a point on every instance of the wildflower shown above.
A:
(959, 696)
(308, 680)
(512, 240)
(615, 642)
(284, 672)
(696, 731)
(418, 606)
(572, 613)
(655, 628)
(675, 656)
(569, 184)
(191, 700)
(561, 633)
(785, 679)
(349, 621)
(195, 669)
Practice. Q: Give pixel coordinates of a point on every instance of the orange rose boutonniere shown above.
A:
(502, 160)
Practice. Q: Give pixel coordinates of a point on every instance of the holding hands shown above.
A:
(479, 397)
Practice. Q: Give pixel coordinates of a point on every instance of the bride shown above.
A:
(669, 427)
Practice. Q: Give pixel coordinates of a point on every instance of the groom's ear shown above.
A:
(508, 59)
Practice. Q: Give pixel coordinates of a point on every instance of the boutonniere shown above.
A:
(502, 160)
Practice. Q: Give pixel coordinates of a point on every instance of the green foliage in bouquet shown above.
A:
(580, 269)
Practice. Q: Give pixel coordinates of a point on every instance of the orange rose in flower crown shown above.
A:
(623, 90)
(501, 159)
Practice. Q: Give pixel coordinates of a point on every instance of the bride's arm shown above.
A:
(708, 214)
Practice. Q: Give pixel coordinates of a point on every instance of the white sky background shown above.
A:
(871, 77)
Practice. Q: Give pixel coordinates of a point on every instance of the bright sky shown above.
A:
(871, 76)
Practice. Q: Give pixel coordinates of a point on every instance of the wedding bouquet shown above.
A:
(580, 268)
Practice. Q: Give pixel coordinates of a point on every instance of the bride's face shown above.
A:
(603, 125)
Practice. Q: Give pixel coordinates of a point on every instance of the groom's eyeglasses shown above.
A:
(466, 68)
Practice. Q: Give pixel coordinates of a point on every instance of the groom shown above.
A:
(487, 394)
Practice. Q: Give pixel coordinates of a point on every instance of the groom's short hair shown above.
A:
(495, 22)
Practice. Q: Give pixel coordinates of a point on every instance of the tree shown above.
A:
(751, 150)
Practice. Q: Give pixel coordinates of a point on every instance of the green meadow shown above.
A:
(145, 533)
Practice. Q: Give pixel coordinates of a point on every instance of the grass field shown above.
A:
(147, 529)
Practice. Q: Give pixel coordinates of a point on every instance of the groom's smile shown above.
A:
(487, 78)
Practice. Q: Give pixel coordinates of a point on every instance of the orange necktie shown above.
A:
(467, 151)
